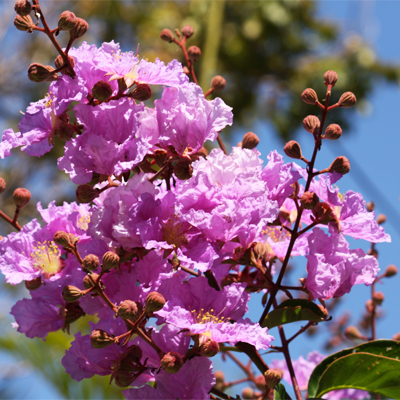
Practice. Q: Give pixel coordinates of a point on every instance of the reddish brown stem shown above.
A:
(13, 223)
(221, 144)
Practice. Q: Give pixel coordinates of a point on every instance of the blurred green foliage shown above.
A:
(268, 51)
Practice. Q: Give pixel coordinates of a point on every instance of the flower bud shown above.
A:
(90, 262)
(185, 70)
(183, 169)
(309, 200)
(370, 206)
(381, 218)
(369, 305)
(79, 30)
(102, 90)
(378, 298)
(341, 165)
(347, 100)
(40, 73)
(64, 239)
(129, 310)
(71, 293)
(203, 152)
(391, 270)
(172, 362)
(330, 78)
(64, 131)
(167, 35)
(293, 150)
(154, 302)
(134, 353)
(187, 31)
(325, 213)
(208, 347)
(67, 21)
(219, 376)
(396, 337)
(194, 53)
(59, 62)
(123, 378)
(110, 260)
(24, 24)
(73, 311)
(2, 185)
(309, 96)
(250, 141)
(311, 123)
(142, 92)
(218, 83)
(352, 333)
(21, 197)
(34, 283)
(248, 393)
(86, 193)
(23, 7)
(100, 339)
(333, 132)
(272, 377)
(89, 279)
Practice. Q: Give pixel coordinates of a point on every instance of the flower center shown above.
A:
(83, 221)
(275, 233)
(173, 232)
(204, 317)
(47, 258)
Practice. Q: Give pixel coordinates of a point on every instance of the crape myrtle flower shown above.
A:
(333, 269)
(303, 368)
(31, 252)
(201, 309)
(108, 144)
(193, 381)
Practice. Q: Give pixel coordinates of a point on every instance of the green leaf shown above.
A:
(292, 311)
(372, 366)
(280, 392)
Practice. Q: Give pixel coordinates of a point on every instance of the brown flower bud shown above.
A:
(203, 152)
(391, 270)
(311, 123)
(79, 30)
(250, 140)
(34, 283)
(40, 73)
(370, 206)
(123, 378)
(23, 7)
(330, 78)
(24, 23)
(142, 92)
(73, 311)
(341, 165)
(325, 213)
(309, 96)
(89, 279)
(369, 305)
(218, 83)
(134, 353)
(2, 185)
(154, 302)
(333, 132)
(71, 293)
(167, 35)
(219, 376)
(21, 197)
(91, 262)
(396, 337)
(67, 21)
(272, 377)
(347, 100)
(208, 347)
(183, 169)
(293, 150)
(64, 239)
(309, 200)
(102, 90)
(378, 298)
(160, 157)
(296, 190)
(194, 53)
(352, 333)
(248, 393)
(381, 218)
(86, 193)
(172, 362)
(59, 62)
(110, 260)
(100, 339)
(64, 130)
(185, 70)
(187, 31)
(129, 310)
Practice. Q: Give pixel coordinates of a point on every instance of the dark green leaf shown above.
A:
(372, 366)
(292, 311)
(280, 392)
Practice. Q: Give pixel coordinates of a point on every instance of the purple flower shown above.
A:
(333, 268)
(193, 381)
